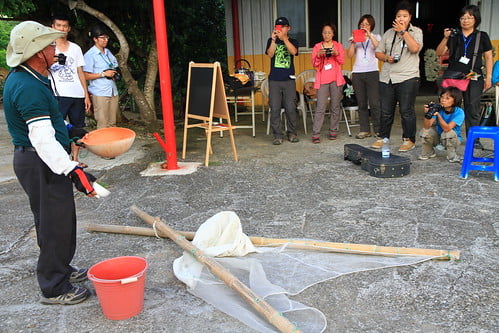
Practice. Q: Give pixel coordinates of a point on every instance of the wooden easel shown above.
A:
(205, 100)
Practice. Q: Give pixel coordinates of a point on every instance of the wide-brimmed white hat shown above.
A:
(28, 38)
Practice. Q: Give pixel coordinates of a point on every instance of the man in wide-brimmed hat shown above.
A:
(41, 160)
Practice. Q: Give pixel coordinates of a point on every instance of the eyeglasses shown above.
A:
(104, 37)
(467, 18)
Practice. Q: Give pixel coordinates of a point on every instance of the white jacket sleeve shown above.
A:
(41, 133)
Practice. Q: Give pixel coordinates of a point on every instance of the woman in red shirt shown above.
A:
(327, 58)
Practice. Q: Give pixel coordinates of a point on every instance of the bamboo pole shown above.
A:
(260, 305)
(295, 243)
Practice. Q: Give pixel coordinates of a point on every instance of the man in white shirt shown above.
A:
(67, 77)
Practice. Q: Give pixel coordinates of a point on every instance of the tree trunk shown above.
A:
(146, 110)
(151, 74)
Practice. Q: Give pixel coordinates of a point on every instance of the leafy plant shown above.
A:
(5, 28)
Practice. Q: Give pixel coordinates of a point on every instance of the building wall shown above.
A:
(489, 9)
(256, 24)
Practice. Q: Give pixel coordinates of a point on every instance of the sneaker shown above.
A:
(407, 145)
(425, 157)
(455, 159)
(363, 135)
(78, 275)
(316, 139)
(377, 144)
(277, 141)
(293, 138)
(333, 136)
(74, 296)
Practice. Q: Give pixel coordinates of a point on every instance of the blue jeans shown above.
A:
(405, 94)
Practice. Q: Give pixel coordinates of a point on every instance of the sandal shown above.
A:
(316, 139)
(332, 136)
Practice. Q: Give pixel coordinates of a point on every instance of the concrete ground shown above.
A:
(297, 190)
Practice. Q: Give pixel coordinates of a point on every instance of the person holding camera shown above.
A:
(327, 57)
(442, 125)
(365, 75)
(282, 86)
(67, 77)
(461, 47)
(101, 71)
(399, 78)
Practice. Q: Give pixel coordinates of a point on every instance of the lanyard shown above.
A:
(110, 64)
(393, 42)
(467, 42)
(365, 47)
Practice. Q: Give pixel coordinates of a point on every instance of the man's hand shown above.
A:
(83, 181)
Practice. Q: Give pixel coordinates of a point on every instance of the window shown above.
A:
(307, 17)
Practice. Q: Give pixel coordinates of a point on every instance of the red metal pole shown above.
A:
(235, 30)
(169, 145)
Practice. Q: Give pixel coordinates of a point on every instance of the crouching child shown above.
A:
(442, 125)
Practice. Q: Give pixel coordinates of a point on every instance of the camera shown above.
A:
(453, 32)
(61, 58)
(116, 76)
(396, 58)
(328, 52)
(432, 108)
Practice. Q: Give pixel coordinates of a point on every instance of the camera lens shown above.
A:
(432, 108)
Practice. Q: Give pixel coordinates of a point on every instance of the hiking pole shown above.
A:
(260, 305)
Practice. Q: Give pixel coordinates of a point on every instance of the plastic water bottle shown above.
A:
(385, 149)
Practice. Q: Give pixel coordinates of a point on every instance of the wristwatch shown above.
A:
(102, 74)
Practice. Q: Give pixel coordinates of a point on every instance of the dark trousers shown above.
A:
(471, 99)
(405, 94)
(74, 109)
(52, 203)
(366, 89)
(282, 94)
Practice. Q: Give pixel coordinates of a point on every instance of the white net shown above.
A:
(272, 273)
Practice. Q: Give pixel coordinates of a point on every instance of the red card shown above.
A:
(359, 36)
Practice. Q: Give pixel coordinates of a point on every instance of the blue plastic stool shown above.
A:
(477, 132)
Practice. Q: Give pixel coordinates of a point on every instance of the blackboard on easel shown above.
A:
(206, 100)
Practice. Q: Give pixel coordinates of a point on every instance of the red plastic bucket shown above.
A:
(119, 284)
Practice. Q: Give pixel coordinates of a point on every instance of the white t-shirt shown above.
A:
(365, 59)
(67, 82)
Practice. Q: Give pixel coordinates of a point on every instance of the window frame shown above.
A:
(306, 48)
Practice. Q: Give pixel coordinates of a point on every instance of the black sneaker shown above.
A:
(74, 296)
(78, 275)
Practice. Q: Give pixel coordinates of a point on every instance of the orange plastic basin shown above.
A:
(109, 142)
